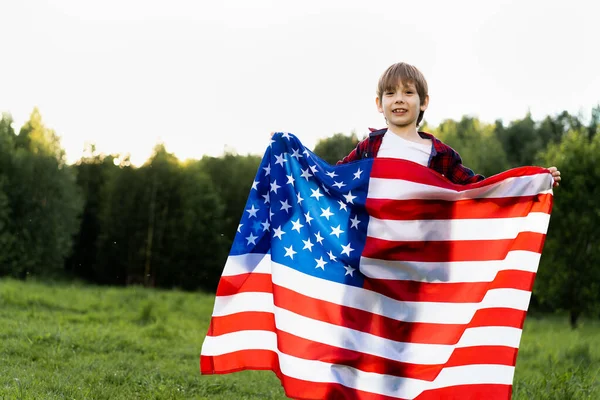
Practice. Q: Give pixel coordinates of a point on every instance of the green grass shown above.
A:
(69, 341)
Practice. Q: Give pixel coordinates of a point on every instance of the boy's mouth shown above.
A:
(399, 110)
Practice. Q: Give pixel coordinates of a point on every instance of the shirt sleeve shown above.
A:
(355, 154)
(459, 174)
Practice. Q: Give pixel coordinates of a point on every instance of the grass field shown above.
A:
(65, 341)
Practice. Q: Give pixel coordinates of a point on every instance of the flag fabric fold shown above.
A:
(378, 279)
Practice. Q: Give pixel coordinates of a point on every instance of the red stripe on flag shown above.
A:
(250, 282)
(238, 361)
(444, 251)
(387, 168)
(498, 317)
(405, 290)
(503, 207)
(468, 392)
(500, 355)
(463, 292)
(243, 321)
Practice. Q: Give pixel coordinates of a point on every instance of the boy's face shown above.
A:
(401, 106)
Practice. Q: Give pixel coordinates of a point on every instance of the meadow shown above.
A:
(76, 341)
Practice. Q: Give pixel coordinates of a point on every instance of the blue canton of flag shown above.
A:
(308, 215)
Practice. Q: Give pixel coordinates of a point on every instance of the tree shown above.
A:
(594, 125)
(36, 138)
(193, 250)
(122, 222)
(160, 225)
(476, 143)
(520, 141)
(336, 147)
(92, 172)
(7, 134)
(569, 274)
(232, 176)
(7, 237)
(43, 200)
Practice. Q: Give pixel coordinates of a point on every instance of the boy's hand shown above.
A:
(555, 174)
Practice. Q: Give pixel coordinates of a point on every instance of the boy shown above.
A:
(402, 98)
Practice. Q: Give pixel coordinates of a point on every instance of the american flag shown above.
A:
(378, 279)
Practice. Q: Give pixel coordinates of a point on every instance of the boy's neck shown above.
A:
(405, 132)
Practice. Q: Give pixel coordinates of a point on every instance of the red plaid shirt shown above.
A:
(443, 159)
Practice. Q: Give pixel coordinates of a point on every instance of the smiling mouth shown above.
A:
(399, 110)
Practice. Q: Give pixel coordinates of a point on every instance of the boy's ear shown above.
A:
(425, 103)
(378, 103)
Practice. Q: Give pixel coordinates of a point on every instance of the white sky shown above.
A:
(202, 75)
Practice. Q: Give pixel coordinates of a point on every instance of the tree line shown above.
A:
(170, 223)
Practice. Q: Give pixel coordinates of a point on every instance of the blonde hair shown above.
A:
(407, 74)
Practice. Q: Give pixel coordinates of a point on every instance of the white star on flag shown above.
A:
(285, 206)
(349, 270)
(326, 213)
(278, 233)
(319, 237)
(267, 197)
(251, 238)
(266, 225)
(332, 257)
(289, 252)
(336, 231)
(321, 263)
(252, 211)
(280, 159)
(305, 174)
(308, 217)
(347, 249)
(307, 245)
(297, 225)
(316, 193)
(349, 197)
(274, 186)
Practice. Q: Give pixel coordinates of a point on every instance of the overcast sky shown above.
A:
(203, 75)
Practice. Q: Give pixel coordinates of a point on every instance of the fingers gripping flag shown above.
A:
(378, 279)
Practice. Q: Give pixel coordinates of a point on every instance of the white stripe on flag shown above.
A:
(457, 229)
(449, 272)
(393, 189)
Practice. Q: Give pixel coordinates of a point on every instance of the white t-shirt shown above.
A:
(393, 146)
